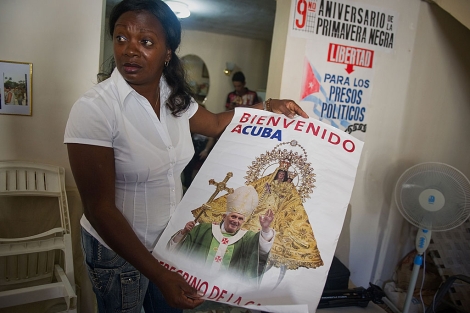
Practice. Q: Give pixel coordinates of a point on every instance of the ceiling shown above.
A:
(252, 19)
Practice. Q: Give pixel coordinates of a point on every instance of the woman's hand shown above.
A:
(287, 107)
(177, 292)
(212, 125)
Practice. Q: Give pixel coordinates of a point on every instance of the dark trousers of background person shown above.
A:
(199, 143)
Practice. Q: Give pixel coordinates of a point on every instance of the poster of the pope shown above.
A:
(259, 225)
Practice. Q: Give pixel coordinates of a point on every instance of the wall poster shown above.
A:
(259, 225)
(343, 39)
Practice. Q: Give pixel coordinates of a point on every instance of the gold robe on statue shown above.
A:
(294, 245)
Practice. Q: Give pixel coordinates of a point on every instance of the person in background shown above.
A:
(128, 139)
(241, 96)
(202, 146)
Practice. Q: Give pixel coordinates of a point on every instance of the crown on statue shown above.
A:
(289, 155)
(284, 164)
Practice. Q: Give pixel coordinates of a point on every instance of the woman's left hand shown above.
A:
(287, 107)
(212, 125)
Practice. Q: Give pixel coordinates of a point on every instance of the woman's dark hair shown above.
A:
(175, 75)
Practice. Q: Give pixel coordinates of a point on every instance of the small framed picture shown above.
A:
(16, 89)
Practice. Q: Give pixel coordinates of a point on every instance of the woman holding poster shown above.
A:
(128, 140)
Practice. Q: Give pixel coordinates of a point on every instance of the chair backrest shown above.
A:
(31, 179)
(30, 261)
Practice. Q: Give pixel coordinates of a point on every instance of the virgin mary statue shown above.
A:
(284, 191)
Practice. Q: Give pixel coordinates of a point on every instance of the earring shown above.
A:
(166, 63)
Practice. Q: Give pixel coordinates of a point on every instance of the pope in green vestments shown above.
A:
(225, 246)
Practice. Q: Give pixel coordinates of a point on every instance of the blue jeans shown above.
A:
(118, 286)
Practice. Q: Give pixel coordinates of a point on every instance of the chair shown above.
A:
(37, 267)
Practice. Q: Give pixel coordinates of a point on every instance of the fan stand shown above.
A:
(423, 237)
(431, 200)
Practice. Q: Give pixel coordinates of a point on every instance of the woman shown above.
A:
(128, 140)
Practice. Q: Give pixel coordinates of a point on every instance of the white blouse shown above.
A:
(149, 153)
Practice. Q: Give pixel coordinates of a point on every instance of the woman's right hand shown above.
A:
(177, 292)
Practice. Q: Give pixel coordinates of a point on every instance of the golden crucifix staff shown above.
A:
(219, 187)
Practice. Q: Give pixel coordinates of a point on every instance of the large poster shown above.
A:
(259, 225)
(343, 39)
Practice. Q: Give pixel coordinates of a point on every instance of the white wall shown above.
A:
(278, 49)
(419, 111)
(62, 41)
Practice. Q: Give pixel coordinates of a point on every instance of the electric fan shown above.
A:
(433, 197)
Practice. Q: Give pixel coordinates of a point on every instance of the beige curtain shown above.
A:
(459, 9)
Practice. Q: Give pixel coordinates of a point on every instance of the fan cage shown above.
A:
(433, 175)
